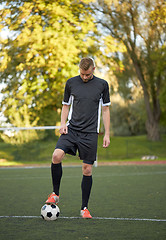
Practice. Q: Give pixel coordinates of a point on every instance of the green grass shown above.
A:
(121, 148)
(132, 148)
(118, 192)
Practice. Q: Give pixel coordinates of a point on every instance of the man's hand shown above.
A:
(63, 129)
(106, 141)
(106, 121)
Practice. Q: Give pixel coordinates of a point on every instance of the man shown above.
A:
(83, 97)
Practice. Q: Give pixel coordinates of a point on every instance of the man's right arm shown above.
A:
(64, 114)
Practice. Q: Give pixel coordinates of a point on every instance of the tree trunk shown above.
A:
(152, 128)
(153, 112)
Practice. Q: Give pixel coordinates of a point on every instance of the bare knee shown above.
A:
(87, 169)
(57, 156)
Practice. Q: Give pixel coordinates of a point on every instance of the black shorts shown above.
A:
(85, 143)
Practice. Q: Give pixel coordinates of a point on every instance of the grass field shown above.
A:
(130, 201)
(121, 148)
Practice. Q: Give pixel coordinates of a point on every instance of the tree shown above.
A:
(140, 26)
(43, 49)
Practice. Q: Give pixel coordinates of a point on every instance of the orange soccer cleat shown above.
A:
(52, 199)
(85, 213)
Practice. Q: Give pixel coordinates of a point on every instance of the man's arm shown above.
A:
(64, 115)
(106, 121)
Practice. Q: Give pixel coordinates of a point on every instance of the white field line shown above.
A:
(39, 167)
(78, 176)
(96, 218)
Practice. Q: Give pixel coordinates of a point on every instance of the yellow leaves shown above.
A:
(112, 45)
(5, 20)
(29, 56)
(26, 8)
(1, 27)
(20, 67)
(58, 11)
(50, 38)
(158, 15)
(87, 1)
(38, 85)
(3, 41)
(4, 60)
(24, 36)
(114, 3)
(41, 6)
(54, 44)
(57, 133)
(38, 62)
(117, 5)
(5, 13)
(41, 61)
(8, 21)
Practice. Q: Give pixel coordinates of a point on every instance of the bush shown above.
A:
(128, 119)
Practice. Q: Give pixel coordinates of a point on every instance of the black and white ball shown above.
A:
(50, 212)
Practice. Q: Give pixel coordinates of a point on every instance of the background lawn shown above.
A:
(121, 148)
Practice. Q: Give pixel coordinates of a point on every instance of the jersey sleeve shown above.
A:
(67, 95)
(106, 95)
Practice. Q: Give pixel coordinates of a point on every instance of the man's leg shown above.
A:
(56, 169)
(86, 186)
(56, 172)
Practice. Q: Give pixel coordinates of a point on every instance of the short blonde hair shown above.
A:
(86, 63)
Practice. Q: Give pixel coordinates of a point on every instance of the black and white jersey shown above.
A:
(86, 99)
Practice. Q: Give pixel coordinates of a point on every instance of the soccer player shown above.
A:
(84, 96)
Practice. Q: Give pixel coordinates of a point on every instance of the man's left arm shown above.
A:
(106, 121)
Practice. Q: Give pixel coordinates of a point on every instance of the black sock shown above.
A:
(86, 186)
(56, 171)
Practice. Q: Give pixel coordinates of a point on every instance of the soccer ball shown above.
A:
(50, 212)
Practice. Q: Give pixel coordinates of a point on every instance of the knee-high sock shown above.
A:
(86, 186)
(56, 171)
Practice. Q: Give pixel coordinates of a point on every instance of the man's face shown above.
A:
(88, 74)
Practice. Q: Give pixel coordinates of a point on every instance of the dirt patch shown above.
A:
(112, 163)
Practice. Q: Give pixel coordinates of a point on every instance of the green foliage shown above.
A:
(20, 118)
(45, 43)
(140, 27)
(47, 39)
(128, 119)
